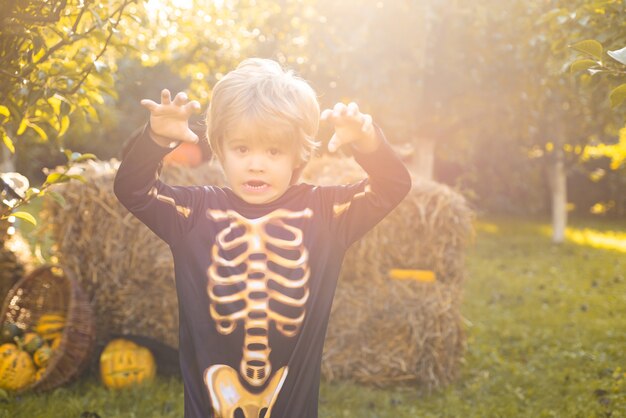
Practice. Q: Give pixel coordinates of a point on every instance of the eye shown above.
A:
(241, 149)
(274, 151)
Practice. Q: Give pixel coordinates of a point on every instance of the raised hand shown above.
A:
(169, 119)
(351, 126)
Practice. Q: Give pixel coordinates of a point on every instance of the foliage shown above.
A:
(486, 81)
(39, 86)
(609, 29)
(60, 81)
(415, 65)
(544, 113)
(63, 175)
(479, 80)
(543, 340)
(603, 55)
(52, 65)
(202, 40)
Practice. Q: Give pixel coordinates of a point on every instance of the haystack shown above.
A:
(381, 330)
(126, 270)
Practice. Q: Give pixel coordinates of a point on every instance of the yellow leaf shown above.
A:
(25, 216)
(65, 123)
(8, 142)
(39, 131)
(22, 127)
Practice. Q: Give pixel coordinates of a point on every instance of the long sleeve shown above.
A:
(167, 210)
(360, 206)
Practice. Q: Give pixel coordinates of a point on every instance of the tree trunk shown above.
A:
(423, 160)
(559, 198)
(7, 164)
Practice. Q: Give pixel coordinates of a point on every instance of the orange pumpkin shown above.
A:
(17, 370)
(124, 363)
(186, 154)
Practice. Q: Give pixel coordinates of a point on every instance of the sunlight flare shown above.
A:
(606, 240)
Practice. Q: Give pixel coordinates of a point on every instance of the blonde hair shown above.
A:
(273, 102)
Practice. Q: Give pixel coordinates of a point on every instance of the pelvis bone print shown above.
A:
(258, 276)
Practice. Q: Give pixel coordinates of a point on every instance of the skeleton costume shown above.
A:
(255, 283)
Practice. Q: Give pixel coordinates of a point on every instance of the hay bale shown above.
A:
(381, 330)
(126, 271)
(384, 331)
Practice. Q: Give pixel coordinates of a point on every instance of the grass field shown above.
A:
(546, 328)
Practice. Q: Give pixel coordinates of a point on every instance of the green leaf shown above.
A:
(25, 216)
(30, 192)
(4, 111)
(618, 55)
(85, 157)
(57, 197)
(618, 95)
(589, 46)
(8, 142)
(54, 178)
(582, 64)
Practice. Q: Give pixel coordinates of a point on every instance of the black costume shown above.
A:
(255, 283)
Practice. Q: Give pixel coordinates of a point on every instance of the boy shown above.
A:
(257, 262)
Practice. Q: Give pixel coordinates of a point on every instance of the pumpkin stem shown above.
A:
(19, 343)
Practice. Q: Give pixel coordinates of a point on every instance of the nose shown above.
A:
(257, 162)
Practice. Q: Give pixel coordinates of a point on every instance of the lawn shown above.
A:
(546, 328)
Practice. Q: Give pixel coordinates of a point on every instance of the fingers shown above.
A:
(149, 104)
(334, 113)
(353, 109)
(368, 123)
(341, 110)
(334, 143)
(325, 114)
(191, 137)
(193, 106)
(165, 97)
(350, 124)
(180, 99)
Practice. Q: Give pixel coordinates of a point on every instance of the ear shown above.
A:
(297, 172)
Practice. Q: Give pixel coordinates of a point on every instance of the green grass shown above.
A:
(546, 328)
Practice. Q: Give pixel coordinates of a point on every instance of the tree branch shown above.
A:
(106, 44)
(80, 15)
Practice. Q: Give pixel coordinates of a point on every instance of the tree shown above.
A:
(603, 55)
(411, 63)
(564, 122)
(59, 60)
(53, 62)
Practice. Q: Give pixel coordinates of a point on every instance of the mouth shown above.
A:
(256, 185)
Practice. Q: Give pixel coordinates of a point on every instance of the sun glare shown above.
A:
(154, 6)
(608, 240)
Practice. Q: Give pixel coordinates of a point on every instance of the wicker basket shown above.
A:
(49, 289)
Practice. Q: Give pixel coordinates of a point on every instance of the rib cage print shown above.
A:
(258, 277)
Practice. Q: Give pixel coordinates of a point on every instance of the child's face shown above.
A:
(257, 171)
